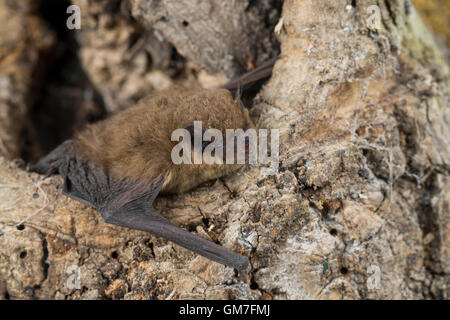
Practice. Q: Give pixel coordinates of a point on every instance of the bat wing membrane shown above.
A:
(138, 213)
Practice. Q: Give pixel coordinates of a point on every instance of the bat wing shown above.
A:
(261, 72)
(127, 204)
(133, 209)
(54, 160)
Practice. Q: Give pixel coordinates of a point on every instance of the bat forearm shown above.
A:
(163, 228)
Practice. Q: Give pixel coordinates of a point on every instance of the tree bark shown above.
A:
(358, 210)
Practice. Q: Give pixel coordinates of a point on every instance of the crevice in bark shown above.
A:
(390, 11)
(53, 117)
(44, 261)
(428, 223)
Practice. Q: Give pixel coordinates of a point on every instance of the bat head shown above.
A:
(210, 115)
(137, 143)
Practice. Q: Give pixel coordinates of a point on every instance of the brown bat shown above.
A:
(119, 165)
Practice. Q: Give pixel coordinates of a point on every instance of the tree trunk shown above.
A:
(358, 210)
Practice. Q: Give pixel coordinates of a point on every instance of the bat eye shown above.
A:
(191, 131)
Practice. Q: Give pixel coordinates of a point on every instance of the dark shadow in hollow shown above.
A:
(64, 99)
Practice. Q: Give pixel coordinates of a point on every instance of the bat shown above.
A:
(120, 165)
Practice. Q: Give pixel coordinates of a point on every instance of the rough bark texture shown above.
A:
(116, 52)
(359, 208)
(127, 59)
(220, 35)
(24, 42)
(437, 15)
